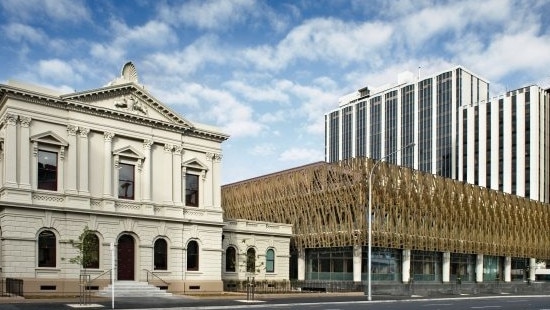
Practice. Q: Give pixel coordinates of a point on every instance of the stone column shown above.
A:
(216, 184)
(72, 160)
(184, 185)
(406, 267)
(479, 268)
(108, 165)
(532, 269)
(301, 264)
(357, 262)
(25, 156)
(84, 164)
(507, 269)
(10, 150)
(176, 175)
(446, 267)
(147, 162)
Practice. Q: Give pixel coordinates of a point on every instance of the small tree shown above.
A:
(87, 245)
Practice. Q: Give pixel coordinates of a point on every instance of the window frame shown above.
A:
(269, 260)
(43, 184)
(49, 142)
(197, 169)
(231, 260)
(121, 165)
(160, 255)
(95, 251)
(50, 262)
(193, 257)
(196, 191)
(251, 260)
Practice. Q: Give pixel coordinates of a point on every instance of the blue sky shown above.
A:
(266, 72)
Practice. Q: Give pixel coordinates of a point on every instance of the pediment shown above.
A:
(194, 164)
(49, 137)
(129, 100)
(128, 151)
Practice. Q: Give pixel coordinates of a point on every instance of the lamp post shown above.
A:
(370, 218)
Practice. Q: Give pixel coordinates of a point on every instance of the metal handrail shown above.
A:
(155, 276)
(102, 274)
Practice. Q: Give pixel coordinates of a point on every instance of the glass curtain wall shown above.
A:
(329, 264)
(492, 268)
(386, 264)
(463, 266)
(426, 266)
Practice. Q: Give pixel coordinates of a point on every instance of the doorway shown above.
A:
(125, 258)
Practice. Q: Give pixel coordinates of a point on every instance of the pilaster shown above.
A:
(84, 169)
(108, 165)
(176, 175)
(479, 268)
(10, 150)
(146, 193)
(357, 262)
(301, 264)
(507, 269)
(25, 157)
(446, 272)
(71, 160)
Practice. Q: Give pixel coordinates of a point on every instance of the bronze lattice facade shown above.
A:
(326, 205)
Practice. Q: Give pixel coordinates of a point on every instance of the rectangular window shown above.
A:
(47, 170)
(126, 181)
(191, 190)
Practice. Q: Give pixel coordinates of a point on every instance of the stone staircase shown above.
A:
(133, 289)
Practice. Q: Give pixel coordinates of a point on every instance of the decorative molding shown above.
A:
(25, 121)
(116, 161)
(209, 156)
(178, 149)
(168, 148)
(84, 132)
(10, 119)
(62, 153)
(72, 129)
(108, 136)
(147, 144)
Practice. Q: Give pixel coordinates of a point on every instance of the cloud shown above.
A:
(208, 14)
(132, 40)
(323, 39)
(263, 149)
(57, 70)
(73, 11)
(24, 33)
(301, 155)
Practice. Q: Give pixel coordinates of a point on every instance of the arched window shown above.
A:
(192, 256)
(230, 259)
(251, 260)
(47, 245)
(270, 261)
(161, 255)
(91, 251)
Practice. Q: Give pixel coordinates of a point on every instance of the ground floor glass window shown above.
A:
(463, 266)
(329, 264)
(426, 266)
(386, 264)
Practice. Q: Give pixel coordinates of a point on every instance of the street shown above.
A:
(504, 302)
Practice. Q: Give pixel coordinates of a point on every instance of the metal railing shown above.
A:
(154, 276)
(293, 286)
(13, 286)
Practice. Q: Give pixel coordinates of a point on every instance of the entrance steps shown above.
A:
(133, 289)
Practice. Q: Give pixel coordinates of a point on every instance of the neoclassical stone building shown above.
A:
(136, 174)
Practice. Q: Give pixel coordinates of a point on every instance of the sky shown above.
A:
(266, 72)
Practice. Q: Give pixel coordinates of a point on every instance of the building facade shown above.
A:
(458, 132)
(142, 179)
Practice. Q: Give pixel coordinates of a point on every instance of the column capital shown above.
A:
(168, 148)
(108, 136)
(72, 129)
(178, 149)
(25, 121)
(10, 119)
(147, 144)
(84, 132)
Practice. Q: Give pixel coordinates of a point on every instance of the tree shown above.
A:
(88, 246)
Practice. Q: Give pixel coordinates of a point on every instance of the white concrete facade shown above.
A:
(103, 142)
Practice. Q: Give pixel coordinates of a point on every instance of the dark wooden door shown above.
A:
(125, 255)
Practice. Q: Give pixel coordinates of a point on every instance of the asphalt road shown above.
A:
(325, 302)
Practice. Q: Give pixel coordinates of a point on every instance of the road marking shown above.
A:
(485, 307)
(436, 305)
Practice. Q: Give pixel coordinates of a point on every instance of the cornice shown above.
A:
(79, 105)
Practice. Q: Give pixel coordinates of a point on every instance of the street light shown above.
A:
(370, 217)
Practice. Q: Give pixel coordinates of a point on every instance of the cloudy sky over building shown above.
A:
(266, 72)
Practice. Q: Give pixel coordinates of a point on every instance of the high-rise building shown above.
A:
(458, 131)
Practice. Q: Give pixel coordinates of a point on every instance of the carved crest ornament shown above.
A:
(130, 104)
